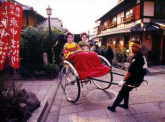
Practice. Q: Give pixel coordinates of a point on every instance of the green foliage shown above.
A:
(33, 43)
(31, 48)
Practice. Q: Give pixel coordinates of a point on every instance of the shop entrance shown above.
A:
(156, 48)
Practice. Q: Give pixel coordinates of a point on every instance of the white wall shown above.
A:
(149, 8)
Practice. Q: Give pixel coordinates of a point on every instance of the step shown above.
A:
(46, 97)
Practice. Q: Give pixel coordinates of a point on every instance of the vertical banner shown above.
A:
(11, 25)
(15, 14)
(4, 36)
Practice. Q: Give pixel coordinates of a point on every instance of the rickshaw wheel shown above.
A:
(107, 77)
(70, 83)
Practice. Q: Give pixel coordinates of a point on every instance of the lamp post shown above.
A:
(49, 13)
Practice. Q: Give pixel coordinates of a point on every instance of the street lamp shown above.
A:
(49, 13)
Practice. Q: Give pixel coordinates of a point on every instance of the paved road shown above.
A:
(147, 104)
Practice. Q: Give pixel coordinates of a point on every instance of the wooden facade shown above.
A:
(136, 19)
(32, 18)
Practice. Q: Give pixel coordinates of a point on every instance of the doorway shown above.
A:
(156, 48)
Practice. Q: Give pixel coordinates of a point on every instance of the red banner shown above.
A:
(4, 36)
(10, 28)
(136, 11)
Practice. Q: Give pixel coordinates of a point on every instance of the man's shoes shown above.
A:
(112, 109)
(123, 106)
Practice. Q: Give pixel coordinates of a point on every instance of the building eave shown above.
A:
(117, 31)
(29, 9)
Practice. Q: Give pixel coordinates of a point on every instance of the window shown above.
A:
(114, 20)
(149, 8)
(128, 17)
(105, 24)
(138, 1)
(129, 13)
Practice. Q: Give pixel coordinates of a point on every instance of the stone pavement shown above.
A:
(159, 69)
(147, 104)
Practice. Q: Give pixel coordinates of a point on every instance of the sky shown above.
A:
(77, 15)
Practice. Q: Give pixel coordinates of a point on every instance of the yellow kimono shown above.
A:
(70, 48)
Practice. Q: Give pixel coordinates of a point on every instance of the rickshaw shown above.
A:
(98, 71)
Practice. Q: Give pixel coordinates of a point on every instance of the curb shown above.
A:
(42, 112)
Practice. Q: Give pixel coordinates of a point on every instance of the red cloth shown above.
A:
(88, 64)
(11, 18)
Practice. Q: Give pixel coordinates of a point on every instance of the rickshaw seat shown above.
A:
(88, 64)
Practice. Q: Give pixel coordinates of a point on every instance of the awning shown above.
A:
(136, 28)
(115, 31)
(161, 25)
(146, 27)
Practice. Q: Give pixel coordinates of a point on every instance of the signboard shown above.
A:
(10, 28)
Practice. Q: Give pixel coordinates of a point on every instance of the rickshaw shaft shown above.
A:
(117, 74)
(103, 81)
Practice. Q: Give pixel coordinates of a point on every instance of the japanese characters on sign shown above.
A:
(10, 27)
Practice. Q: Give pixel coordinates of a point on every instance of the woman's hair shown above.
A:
(69, 33)
(84, 34)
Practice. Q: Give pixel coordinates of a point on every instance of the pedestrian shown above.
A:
(95, 47)
(108, 53)
(70, 46)
(133, 78)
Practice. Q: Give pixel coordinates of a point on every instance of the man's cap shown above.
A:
(83, 43)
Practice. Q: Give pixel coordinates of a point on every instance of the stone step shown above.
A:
(46, 92)
(48, 104)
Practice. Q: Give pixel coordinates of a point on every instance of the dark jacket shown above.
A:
(136, 69)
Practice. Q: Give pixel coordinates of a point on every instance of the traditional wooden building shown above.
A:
(30, 16)
(143, 20)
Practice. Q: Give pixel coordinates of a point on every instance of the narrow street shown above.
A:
(44, 43)
(147, 103)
